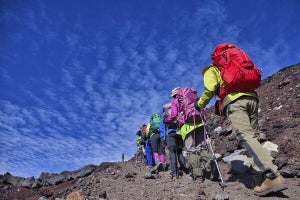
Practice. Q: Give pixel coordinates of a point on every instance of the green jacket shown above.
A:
(212, 82)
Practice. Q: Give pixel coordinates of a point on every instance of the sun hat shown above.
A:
(174, 91)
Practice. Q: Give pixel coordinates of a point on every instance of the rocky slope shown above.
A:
(279, 121)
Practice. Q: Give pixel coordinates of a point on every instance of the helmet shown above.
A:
(174, 91)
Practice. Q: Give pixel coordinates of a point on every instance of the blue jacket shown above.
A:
(164, 130)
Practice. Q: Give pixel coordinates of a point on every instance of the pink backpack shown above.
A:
(187, 96)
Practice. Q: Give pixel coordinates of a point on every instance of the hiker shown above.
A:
(157, 145)
(174, 141)
(148, 149)
(123, 157)
(240, 105)
(158, 149)
(199, 158)
(143, 144)
(141, 138)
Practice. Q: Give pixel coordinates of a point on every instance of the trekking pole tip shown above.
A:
(222, 184)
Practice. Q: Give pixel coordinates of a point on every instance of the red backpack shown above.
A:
(187, 96)
(237, 70)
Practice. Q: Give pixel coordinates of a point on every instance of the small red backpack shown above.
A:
(237, 69)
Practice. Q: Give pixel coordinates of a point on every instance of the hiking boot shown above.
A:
(159, 167)
(190, 177)
(214, 172)
(165, 166)
(185, 170)
(270, 185)
(258, 178)
(262, 137)
(180, 173)
(172, 177)
(214, 176)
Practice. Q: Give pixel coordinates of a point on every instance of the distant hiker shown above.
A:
(148, 150)
(157, 145)
(141, 138)
(174, 141)
(123, 157)
(143, 143)
(239, 102)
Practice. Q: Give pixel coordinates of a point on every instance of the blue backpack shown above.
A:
(162, 130)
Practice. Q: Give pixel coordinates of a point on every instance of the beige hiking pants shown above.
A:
(243, 114)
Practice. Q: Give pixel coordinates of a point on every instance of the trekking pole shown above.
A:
(176, 161)
(208, 140)
(194, 131)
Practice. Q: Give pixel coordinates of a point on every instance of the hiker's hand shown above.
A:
(197, 106)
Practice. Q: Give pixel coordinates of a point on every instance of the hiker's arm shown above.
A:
(211, 85)
(205, 98)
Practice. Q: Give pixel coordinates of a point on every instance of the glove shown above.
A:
(197, 106)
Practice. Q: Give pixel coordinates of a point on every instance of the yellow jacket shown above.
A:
(186, 128)
(138, 140)
(212, 82)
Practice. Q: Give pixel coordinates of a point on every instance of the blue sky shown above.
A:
(78, 78)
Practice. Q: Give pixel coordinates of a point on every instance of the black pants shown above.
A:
(157, 145)
(175, 145)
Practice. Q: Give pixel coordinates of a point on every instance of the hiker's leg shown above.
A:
(253, 116)
(188, 142)
(154, 146)
(182, 161)
(162, 152)
(198, 135)
(206, 158)
(149, 155)
(239, 114)
(195, 164)
(171, 143)
(180, 157)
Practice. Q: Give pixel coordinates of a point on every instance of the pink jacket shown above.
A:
(174, 111)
